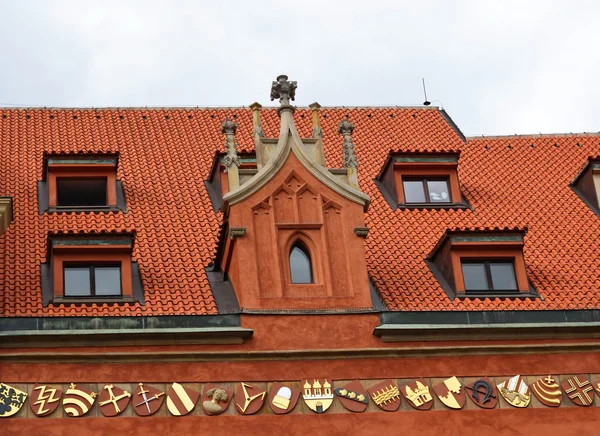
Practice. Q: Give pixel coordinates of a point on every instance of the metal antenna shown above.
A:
(426, 102)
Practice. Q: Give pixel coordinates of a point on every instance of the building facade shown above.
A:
(266, 270)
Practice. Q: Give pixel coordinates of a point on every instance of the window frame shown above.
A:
(91, 266)
(425, 183)
(488, 274)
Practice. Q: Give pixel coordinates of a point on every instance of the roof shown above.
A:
(165, 154)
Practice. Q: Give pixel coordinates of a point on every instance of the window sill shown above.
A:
(93, 300)
(500, 294)
(68, 209)
(436, 206)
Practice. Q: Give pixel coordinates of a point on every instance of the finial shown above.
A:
(346, 128)
(284, 90)
(228, 127)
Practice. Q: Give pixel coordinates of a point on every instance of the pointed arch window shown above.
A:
(300, 264)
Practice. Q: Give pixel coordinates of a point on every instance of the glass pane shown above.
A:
(81, 192)
(300, 266)
(413, 191)
(474, 276)
(77, 281)
(108, 280)
(503, 276)
(438, 191)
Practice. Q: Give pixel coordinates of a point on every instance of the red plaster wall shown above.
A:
(565, 421)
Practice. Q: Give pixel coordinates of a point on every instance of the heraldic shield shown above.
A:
(515, 391)
(386, 395)
(181, 400)
(353, 396)
(483, 393)
(547, 391)
(451, 393)
(579, 390)
(44, 400)
(417, 394)
(11, 400)
(283, 398)
(318, 395)
(78, 400)
(147, 400)
(215, 399)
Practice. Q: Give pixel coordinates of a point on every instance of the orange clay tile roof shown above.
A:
(165, 154)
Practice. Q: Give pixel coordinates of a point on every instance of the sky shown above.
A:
(497, 67)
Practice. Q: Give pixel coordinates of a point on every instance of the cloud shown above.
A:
(498, 67)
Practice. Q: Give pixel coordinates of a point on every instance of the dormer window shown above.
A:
(480, 264)
(300, 265)
(587, 184)
(85, 269)
(80, 183)
(428, 181)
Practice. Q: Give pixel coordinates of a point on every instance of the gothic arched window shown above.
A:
(300, 265)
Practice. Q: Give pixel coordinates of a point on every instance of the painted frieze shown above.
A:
(147, 400)
(451, 393)
(181, 400)
(11, 400)
(386, 395)
(283, 398)
(44, 399)
(317, 394)
(353, 396)
(483, 393)
(248, 398)
(417, 394)
(515, 391)
(78, 401)
(113, 400)
(215, 399)
(579, 390)
(547, 391)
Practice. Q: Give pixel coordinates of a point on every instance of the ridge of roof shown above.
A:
(113, 108)
(534, 135)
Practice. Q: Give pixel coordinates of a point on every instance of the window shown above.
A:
(421, 181)
(81, 192)
(92, 280)
(481, 264)
(426, 191)
(489, 276)
(300, 266)
(80, 183)
(587, 185)
(90, 268)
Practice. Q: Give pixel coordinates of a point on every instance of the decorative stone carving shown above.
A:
(346, 128)
(229, 128)
(317, 131)
(284, 90)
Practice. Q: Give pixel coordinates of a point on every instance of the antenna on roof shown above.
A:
(426, 102)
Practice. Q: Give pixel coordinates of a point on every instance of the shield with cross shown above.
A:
(113, 400)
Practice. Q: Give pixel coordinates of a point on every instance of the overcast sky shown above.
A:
(497, 67)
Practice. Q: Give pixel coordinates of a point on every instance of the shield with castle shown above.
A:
(318, 395)
(417, 394)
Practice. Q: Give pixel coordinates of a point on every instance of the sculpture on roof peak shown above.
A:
(284, 90)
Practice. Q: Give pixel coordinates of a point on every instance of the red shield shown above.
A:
(44, 400)
(215, 399)
(579, 390)
(249, 399)
(113, 400)
(147, 400)
(283, 398)
(386, 395)
(353, 396)
(417, 394)
(547, 391)
(483, 393)
(78, 401)
(451, 393)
